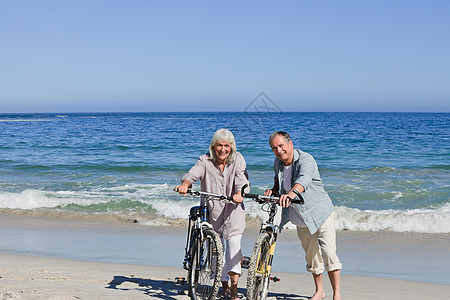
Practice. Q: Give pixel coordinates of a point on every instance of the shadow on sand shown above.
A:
(166, 289)
(162, 289)
(284, 296)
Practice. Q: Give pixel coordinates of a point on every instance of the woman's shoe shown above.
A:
(224, 293)
(234, 292)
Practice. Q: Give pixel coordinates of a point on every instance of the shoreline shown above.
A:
(37, 252)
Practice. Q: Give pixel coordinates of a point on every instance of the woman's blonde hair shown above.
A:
(223, 135)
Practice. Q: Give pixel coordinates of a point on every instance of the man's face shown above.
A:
(222, 150)
(283, 150)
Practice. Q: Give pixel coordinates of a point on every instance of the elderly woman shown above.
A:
(223, 171)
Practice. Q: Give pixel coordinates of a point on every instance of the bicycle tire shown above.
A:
(258, 276)
(205, 271)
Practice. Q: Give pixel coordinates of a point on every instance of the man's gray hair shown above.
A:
(285, 135)
(223, 135)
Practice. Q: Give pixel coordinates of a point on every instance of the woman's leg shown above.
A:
(232, 264)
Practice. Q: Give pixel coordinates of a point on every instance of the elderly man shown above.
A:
(297, 175)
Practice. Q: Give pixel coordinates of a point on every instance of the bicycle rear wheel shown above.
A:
(258, 274)
(206, 269)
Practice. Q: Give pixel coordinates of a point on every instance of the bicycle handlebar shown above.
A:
(262, 199)
(225, 199)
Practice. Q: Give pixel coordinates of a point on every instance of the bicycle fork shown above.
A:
(265, 271)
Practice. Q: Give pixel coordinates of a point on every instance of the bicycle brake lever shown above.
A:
(243, 188)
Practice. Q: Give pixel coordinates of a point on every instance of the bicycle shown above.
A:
(260, 264)
(203, 252)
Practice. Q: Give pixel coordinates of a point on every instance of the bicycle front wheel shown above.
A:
(206, 269)
(258, 272)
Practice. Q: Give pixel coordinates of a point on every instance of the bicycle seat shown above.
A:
(195, 212)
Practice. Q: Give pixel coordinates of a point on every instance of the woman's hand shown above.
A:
(183, 188)
(237, 198)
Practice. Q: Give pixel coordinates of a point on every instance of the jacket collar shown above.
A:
(296, 155)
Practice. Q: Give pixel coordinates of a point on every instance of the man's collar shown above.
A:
(296, 155)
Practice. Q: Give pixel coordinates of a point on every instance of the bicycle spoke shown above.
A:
(204, 277)
(258, 272)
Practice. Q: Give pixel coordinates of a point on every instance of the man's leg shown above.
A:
(327, 242)
(314, 261)
(319, 294)
(335, 279)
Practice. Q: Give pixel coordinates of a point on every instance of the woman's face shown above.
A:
(222, 150)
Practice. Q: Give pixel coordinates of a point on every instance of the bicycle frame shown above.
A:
(199, 215)
(203, 250)
(260, 264)
(270, 228)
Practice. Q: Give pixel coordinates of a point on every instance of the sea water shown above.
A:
(383, 171)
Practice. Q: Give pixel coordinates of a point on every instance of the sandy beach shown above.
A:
(27, 277)
(67, 259)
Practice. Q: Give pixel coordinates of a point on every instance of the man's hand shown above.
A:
(285, 200)
(268, 192)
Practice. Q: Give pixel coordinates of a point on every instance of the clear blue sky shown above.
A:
(143, 55)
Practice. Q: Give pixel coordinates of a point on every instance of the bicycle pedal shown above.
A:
(180, 280)
(275, 279)
(245, 262)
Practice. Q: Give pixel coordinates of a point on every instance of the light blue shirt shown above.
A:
(294, 215)
(318, 206)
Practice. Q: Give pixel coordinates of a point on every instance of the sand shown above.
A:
(37, 261)
(28, 277)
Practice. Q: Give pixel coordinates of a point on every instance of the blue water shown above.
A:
(383, 171)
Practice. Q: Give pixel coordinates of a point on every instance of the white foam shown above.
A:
(397, 195)
(32, 199)
(169, 205)
(27, 199)
(414, 220)
(174, 209)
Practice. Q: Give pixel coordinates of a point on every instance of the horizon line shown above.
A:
(144, 112)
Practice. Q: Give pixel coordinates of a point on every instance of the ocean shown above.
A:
(383, 171)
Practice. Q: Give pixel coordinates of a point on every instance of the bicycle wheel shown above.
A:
(206, 269)
(258, 275)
